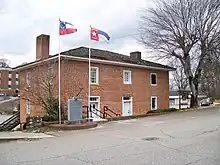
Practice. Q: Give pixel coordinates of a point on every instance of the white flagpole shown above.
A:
(89, 92)
(59, 79)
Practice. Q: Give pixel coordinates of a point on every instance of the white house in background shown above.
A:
(175, 100)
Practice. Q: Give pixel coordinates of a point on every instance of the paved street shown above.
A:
(188, 138)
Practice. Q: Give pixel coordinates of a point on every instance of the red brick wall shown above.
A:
(111, 87)
(4, 79)
(4, 82)
(38, 89)
(74, 76)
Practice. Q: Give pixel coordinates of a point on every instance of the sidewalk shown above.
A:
(18, 135)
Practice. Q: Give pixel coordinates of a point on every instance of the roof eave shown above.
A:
(116, 63)
(29, 65)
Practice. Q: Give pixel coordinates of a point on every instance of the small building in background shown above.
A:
(9, 80)
(182, 99)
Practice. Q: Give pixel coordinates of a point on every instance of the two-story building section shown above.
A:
(128, 85)
(9, 80)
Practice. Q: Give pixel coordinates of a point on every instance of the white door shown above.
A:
(95, 107)
(126, 106)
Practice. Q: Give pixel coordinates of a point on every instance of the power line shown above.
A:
(94, 43)
(111, 39)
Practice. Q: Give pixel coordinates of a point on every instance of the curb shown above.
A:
(24, 136)
(2, 140)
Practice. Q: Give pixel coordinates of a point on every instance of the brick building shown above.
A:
(128, 85)
(9, 80)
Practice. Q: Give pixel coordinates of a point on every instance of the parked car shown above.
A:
(205, 102)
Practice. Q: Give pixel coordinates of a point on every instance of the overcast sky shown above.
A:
(23, 20)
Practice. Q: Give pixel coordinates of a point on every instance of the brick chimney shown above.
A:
(42, 46)
(135, 55)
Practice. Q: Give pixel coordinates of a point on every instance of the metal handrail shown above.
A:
(106, 109)
(103, 115)
(93, 108)
(16, 115)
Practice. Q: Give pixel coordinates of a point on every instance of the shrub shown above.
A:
(52, 110)
(163, 110)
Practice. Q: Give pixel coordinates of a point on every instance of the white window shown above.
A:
(9, 82)
(94, 79)
(17, 75)
(28, 106)
(9, 75)
(17, 83)
(153, 79)
(50, 74)
(127, 76)
(153, 103)
(28, 78)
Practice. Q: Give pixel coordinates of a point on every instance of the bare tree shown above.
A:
(210, 79)
(179, 78)
(186, 30)
(39, 87)
(4, 63)
(179, 81)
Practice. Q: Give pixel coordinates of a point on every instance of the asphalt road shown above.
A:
(189, 138)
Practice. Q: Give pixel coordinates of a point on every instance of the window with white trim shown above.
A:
(153, 103)
(28, 78)
(153, 78)
(94, 75)
(127, 76)
(17, 76)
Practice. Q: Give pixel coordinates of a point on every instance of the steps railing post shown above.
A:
(104, 114)
(87, 111)
(90, 110)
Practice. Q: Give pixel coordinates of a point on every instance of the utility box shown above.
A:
(75, 109)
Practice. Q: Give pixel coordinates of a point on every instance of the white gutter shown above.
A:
(93, 60)
(34, 63)
(9, 69)
(115, 63)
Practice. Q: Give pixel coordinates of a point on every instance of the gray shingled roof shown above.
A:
(110, 56)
